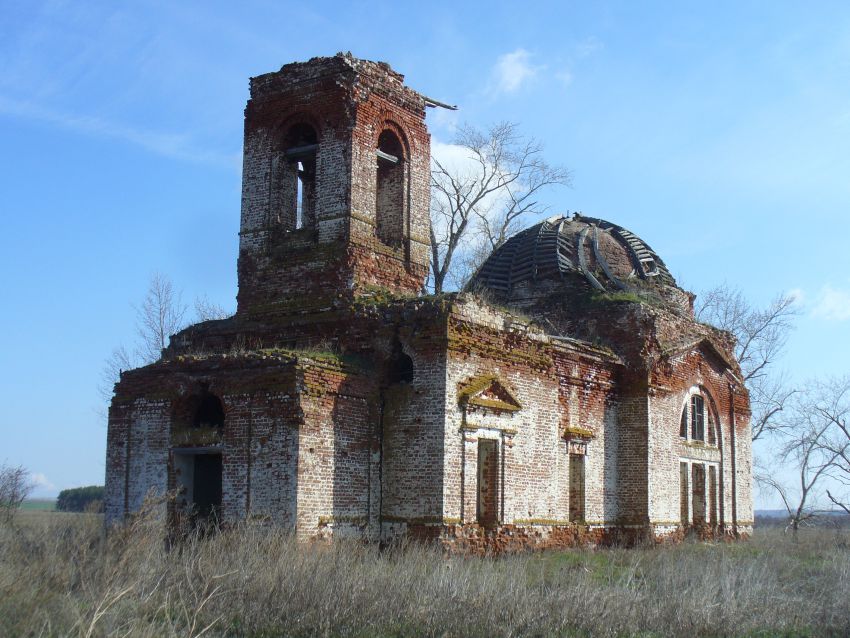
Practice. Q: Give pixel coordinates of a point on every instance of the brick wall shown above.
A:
(414, 434)
(258, 444)
(348, 104)
(354, 407)
(560, 387)
(698, 370)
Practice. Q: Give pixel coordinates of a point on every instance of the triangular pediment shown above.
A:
(707, 347)
(488, 391)
(712, 353)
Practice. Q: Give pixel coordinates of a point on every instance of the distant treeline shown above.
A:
(830, 519)
(81, 499)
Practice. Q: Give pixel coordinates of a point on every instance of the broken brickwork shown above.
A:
(567, 397)
(367, 221)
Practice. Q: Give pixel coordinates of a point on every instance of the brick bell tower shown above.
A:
(335, 187)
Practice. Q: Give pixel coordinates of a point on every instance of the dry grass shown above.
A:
(59, 575)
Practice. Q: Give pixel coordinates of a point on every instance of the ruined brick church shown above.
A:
(567, 396)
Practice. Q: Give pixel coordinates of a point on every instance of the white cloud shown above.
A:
(41, 483)
(443, 120)
(512, 71)
(832, 304)
(167, 144)
(455, 158)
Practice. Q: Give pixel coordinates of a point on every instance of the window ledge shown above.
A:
(699, 444)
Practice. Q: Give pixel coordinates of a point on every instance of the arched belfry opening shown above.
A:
(295, 177)
(390, 189)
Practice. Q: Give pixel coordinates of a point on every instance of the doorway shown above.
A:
(488, 482)
(198, 479)
(698, 492)
(206, 487)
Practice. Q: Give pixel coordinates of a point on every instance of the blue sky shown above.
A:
(719, 132)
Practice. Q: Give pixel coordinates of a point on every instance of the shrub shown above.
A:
(15, 486)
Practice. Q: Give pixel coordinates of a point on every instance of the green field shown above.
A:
(39, 505)
(61, 575)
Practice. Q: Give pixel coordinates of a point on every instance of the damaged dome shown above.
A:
(606, 257)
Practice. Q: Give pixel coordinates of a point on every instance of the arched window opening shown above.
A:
(697, 418)
(698, 422)
(390, 190)
(297, 177)
(210, 413)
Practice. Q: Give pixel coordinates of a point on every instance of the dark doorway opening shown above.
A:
(698, 492)
(712, 495)
(206, 488)
(684, 492)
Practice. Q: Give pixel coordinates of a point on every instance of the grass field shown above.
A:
(39, 505)
(60, 575)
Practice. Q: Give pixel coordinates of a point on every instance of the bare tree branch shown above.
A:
(118, 361)
(206, 310)
(760, 338)
(842, 504)
(802, 450)
(158, 317)
(769, 397)
(817, 445)
(826, 404)
(491, 196)
(15, 486)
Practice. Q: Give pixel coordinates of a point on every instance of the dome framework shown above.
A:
(609, 257)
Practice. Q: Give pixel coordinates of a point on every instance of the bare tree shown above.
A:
(158, 317)
(769, 397)
(803, 451)
(15, 486)
(120, 359)
(493, 192)
(761, 335)
(206, 310)
(826, 405)
(817, 447)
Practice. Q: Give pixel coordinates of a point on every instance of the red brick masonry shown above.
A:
(342, 403)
